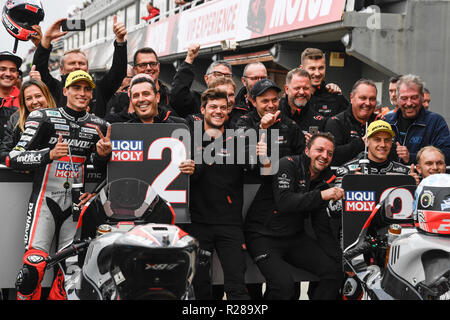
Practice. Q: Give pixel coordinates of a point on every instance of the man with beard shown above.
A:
(275, 233)
(326, 98)
(414, 126)
(295, 103)
(216, 199)
(349, 127)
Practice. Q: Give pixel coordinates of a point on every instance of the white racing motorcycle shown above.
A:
(403, 250)
(118, 253)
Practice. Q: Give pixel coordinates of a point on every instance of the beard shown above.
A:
(299, 104)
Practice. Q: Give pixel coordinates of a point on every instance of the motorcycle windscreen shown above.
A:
(127, 199)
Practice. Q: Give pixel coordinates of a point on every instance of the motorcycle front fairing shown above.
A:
(418, 267)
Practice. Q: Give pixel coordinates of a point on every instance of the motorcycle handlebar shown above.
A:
(361, 248)
(67, 252)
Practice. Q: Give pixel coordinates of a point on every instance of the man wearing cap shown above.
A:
(56, 145)
(9, 92)
(267, 118)
(379, 140)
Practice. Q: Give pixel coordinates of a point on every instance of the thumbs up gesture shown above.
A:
(119, 30)
(414, 174)
(261, 150)
(402, 152)
(60, 150)
(269, 119)
(104, 146)
(34, 74)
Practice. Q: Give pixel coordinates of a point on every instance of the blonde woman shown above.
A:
(34, 95)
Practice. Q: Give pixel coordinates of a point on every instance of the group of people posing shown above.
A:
(58, 126)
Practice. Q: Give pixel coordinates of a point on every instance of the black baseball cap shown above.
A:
(6, 55)
(262, 86)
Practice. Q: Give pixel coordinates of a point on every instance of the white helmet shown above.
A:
(432, 205)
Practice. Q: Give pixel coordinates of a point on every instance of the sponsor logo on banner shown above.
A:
(238, 20)
(127, 150)
(360, 201)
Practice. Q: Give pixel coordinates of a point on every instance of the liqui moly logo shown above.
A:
(66, 170)
(127, 150)
(360, 201)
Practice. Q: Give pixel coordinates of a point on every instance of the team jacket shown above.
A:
(304, 117)
(8, 105)
(279, 208)
(291, 139)
(327, 104)
(216, 187)
(182, 99)
(11, 137)
(429, 128)
(42, 130)
(163, 116)
(348, 133)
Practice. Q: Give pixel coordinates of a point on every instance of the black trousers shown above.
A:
(273, 255)
(228, 241)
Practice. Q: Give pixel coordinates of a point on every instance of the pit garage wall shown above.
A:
(417, 42)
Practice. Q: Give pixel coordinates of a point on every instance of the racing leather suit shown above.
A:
(50, 207)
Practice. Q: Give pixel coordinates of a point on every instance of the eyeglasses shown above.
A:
(255, 78)
(145, 64)
(221, 74)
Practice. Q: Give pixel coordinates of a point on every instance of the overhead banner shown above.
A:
(238, 20)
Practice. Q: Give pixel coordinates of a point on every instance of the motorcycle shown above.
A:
(403, 249)
(126, 247)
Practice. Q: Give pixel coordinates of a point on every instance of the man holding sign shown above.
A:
(56, 145)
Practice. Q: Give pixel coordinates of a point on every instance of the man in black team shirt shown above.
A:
(349, 127)
(326, 98)
(295, 104)
(144, 98)
(274, 226)
(216, 199)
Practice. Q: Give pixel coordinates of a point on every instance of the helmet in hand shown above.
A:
(19, 16)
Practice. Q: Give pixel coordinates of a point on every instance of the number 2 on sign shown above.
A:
(171, 172)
